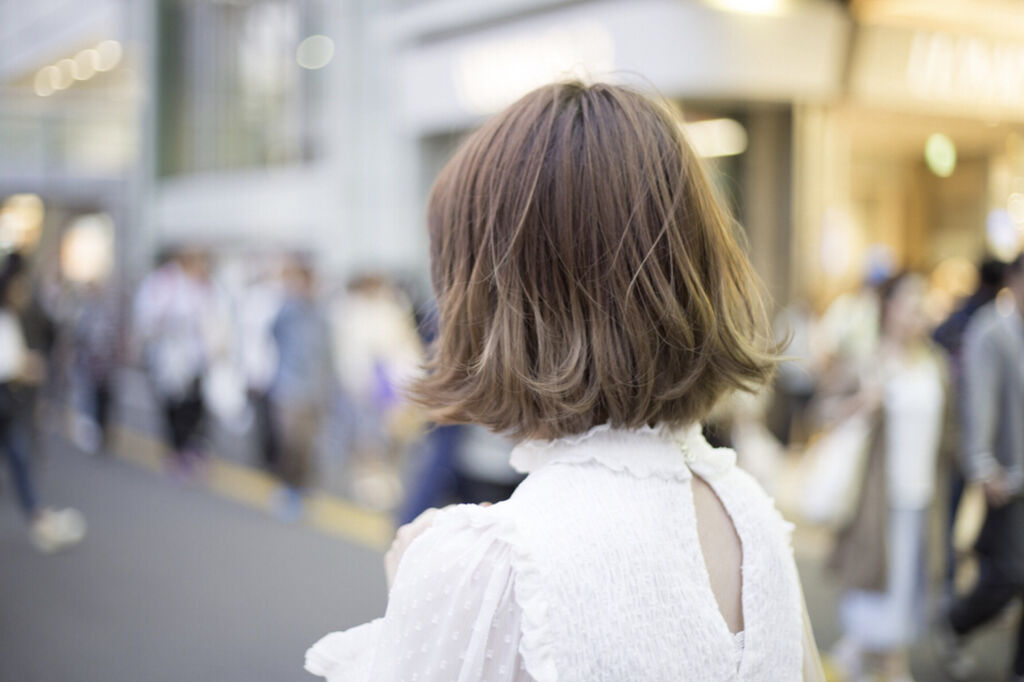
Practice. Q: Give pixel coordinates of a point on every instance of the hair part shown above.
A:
(586, 273)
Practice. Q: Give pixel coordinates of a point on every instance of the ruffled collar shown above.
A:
(648, 451)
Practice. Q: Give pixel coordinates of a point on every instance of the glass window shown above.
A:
(232, 93)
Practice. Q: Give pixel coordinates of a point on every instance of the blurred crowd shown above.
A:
(893, 421)
(312, 370)
(304, 372)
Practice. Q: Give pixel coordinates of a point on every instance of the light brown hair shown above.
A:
(586, 272)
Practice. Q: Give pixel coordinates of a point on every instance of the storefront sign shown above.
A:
(941, 66)
(939, 72)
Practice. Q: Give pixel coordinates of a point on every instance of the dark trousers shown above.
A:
(956, 492)
(266, 433)
(298, 429)
(101, 401)
(183, 416)
(436, 479)
(1001, 577)
(14, 444)
(439, 481)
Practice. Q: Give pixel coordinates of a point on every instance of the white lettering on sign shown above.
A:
(942, 66)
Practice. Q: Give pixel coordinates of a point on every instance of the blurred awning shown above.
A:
(948, 57)
(451, 79)
(990, 18)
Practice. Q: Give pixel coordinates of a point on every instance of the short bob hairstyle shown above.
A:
(586, 273)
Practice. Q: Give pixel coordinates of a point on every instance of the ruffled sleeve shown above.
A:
(452, 614)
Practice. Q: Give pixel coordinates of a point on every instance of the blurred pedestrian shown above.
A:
(95, 344)
(261, 304)
(797, 377)
(379, 350)
(950, 335)
(303, 384)
(455, 463)
(881, 556)
(21, 368)
(173, 311)
(594, 303)
(993, 372)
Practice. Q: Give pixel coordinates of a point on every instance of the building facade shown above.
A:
(318, 126)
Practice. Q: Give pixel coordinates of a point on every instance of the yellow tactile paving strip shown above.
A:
(251, 487)
(343, 519)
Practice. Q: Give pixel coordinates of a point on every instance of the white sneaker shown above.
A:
(55, 530)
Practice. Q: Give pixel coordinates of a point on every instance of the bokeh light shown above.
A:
(109, 52)
(717, 137)
(86, 64)
(315, 52)
(751, 6)
(87, 249)
(940, 155)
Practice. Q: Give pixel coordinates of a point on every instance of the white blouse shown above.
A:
(591, 571)
(914, 398)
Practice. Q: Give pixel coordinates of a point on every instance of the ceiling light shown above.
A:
(66, 73)
(42, 83)
(751, 6)
(86, 64)
(109, 52)
(716, 137)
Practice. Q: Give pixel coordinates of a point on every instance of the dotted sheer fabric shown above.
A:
(592, 572)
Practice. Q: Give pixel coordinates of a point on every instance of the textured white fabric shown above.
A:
(592, 571)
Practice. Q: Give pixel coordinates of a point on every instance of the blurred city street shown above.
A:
(216, 290)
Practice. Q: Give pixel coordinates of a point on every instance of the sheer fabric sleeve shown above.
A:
(452, 615)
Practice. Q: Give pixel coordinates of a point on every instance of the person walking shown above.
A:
(303, 384)
(595, 302)
(881, 556)
(95, 361)
(260, 306)
(173, 316)
(950, 336)
(993, 376)
(49, 529)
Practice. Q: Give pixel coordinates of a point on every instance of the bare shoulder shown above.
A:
(722, 551)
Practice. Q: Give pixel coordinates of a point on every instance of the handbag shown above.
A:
(835, 469)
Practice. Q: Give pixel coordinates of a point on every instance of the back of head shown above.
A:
(586, 272)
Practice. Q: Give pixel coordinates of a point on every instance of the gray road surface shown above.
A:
(171, 584)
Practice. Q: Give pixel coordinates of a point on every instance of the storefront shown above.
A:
(920, 165)
(737, 76)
